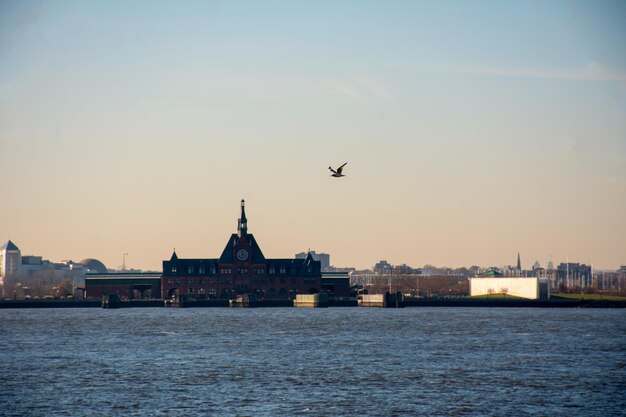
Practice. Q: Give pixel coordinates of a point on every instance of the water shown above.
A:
(313, 362)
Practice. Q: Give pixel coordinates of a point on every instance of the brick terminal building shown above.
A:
(241, 269)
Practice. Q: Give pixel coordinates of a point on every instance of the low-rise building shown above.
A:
(126, 285)
(532, 287)
(336, 284)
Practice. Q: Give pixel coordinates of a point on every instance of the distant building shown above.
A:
(572, 275)
(93, 266)
(324, 258)
(10, 260)
(27, 271)
(382, 267)
(406, 270)
(241, 269)
(347, 269)
(490, 272)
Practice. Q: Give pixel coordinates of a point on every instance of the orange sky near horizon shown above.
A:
(472, 132)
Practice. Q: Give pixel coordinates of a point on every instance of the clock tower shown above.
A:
(241, 269)
(242, 247)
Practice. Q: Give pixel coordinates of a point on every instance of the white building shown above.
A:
(10, 260)
(533, 288)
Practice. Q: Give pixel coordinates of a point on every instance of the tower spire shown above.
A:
(519, 263)
(242, 227)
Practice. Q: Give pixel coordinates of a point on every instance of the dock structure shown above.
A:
(111, 301)
(372, 300)
(386, 300)
(311, 300)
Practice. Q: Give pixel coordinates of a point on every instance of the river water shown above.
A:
(313, 362)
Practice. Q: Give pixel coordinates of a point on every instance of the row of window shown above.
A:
(201, 281)
(272, 270)
(213, 291)
(190, 270)
(224, 280)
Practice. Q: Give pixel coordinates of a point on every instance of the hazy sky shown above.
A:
(472, 130)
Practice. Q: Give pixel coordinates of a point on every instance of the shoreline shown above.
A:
(421, 302)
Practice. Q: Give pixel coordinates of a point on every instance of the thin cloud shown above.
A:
(592, 72)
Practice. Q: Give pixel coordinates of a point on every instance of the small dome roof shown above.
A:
(94, 265)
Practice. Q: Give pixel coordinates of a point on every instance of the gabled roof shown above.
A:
(9, 246)
(257, 254)
(227, 254)
(309, 259)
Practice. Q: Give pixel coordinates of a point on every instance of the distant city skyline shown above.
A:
(472, 131)
(35, 261)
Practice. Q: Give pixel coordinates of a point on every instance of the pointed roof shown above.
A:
(309, 258)
(174, 256)
(257, 254)
(227, 254)
(9, 246)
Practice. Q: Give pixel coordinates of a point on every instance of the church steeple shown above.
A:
(242, 227)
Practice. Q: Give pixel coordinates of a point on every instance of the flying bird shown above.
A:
(337, 173)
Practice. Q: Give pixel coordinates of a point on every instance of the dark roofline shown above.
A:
(9, 246)
(130, 275)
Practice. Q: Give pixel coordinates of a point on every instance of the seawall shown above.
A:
(419, 302)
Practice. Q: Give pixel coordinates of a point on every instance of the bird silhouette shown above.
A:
(337, 173)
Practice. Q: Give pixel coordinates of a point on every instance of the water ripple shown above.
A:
(312, 362)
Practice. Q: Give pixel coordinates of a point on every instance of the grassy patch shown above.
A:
(494, 296)
(587, 296)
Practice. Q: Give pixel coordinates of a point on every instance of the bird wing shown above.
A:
(332, 170)
(340, 168)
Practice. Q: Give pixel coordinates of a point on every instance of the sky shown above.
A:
(472, 130)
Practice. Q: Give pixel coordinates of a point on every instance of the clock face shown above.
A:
(242, 254)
